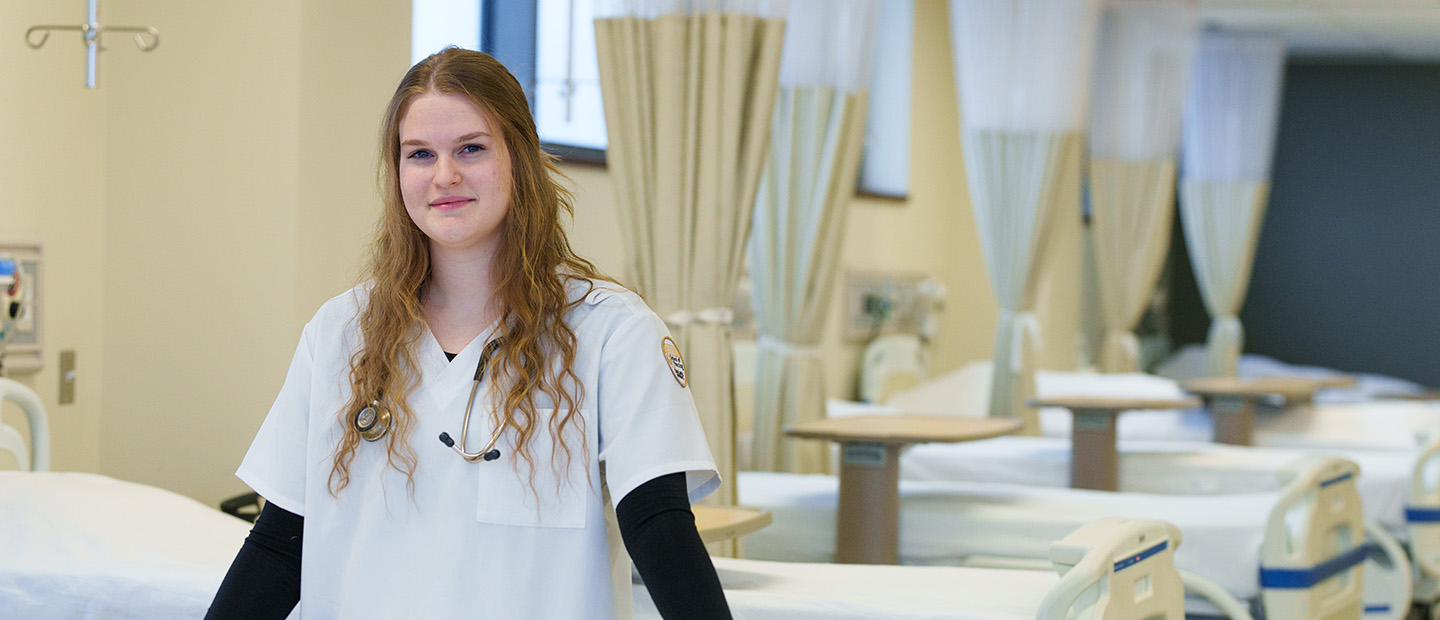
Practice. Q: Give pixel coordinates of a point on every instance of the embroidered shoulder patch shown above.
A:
(671, 353)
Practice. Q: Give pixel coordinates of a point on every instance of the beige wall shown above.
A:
(239, 187)
(51, 190)
(199, 206)
(352, 56)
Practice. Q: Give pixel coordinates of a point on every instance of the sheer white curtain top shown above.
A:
(1231, 117)
(649, 9)
(1022, 69)
(1233, 107)
(799, 223)
(1143, 62)
(829, 44)
(1023, 65)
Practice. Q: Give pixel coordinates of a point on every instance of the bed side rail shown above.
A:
(1422, 512)
(1310, 562)
(1116, 569)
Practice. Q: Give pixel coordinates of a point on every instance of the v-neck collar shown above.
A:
(446, 380)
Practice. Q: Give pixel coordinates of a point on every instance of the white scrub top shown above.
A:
(471, 540)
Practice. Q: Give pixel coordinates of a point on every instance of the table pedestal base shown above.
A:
(867, 528)
(1234, 420)
(1094, 463)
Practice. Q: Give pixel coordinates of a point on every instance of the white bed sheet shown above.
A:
(757, 590)
(76, 545)
(946, 522)
(1167, 467)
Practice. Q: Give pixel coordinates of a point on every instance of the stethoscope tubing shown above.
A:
(465, 429)
(488, 453)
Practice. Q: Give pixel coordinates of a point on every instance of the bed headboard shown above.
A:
(38, 458)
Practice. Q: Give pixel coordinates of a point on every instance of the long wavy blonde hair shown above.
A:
(532, 265)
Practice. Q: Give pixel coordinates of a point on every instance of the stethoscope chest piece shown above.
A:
(372, 421)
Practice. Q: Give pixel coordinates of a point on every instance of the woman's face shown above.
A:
(454, 173)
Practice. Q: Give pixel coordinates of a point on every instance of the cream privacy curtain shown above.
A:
(1022, 68)
(1142, 68)
(1229, 140)
(816, 138)
(689, 87)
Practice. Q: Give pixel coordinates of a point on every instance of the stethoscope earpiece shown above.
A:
(492, 454)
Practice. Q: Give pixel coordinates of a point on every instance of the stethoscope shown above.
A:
(373, 420)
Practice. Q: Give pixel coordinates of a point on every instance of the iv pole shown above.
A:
(90, 33)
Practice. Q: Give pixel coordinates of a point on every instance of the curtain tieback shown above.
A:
(788, 349)
(708, 316)
(1025, 325)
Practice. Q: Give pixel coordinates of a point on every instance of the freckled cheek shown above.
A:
(487, 178)
(412, 189)
(496, 182)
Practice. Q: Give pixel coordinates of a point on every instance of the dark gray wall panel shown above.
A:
(1347, 273)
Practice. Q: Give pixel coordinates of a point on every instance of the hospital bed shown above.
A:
(1315, 524)
(76, 545)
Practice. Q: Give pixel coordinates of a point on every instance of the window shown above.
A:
(550, 47)
(885, 164)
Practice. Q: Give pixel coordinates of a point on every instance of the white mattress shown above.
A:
(78, 545)
(1169, 467)
(759, 590)
(946, 522)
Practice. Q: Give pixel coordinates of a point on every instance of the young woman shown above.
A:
(450, 431)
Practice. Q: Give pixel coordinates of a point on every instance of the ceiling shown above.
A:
(1403, 30)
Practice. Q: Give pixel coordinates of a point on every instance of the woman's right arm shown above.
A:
(264, 581)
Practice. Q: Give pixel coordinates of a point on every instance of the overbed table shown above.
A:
(868, 517)
(1094, 461)
(1231, 400)
(717, 523)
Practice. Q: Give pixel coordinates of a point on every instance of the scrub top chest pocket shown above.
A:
(506, 495)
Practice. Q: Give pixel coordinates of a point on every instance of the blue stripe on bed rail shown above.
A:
(1301, 578)
(1422, 514)
(1336, 480)
(1377, 609)
(1141, 557)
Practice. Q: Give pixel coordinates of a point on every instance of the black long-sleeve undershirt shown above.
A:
(659, 532)
(264, 580)
(655, 521)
